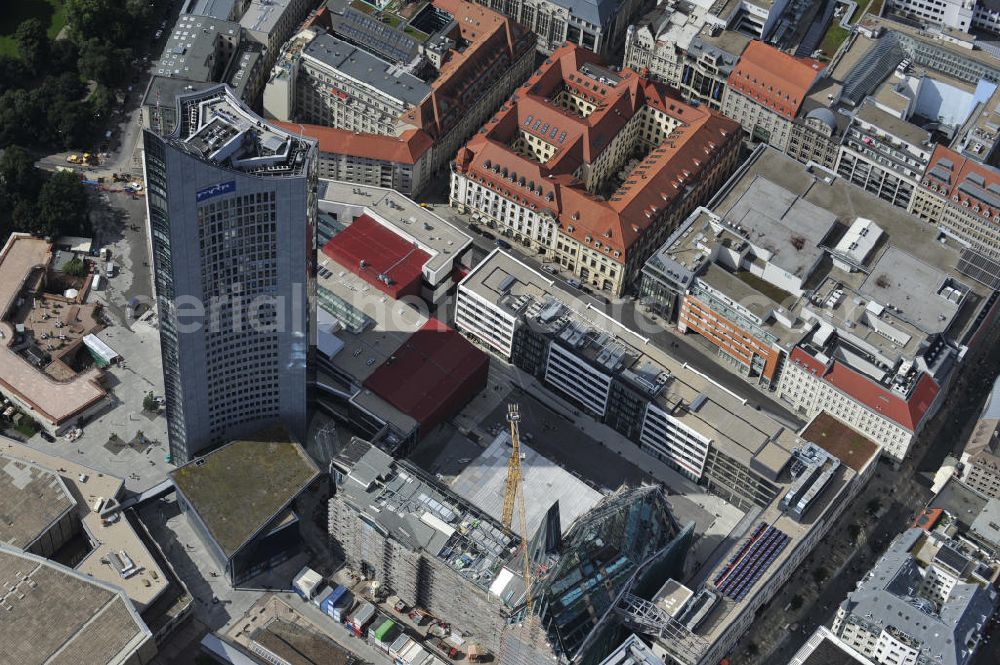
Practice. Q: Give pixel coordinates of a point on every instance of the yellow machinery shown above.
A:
(513, 491)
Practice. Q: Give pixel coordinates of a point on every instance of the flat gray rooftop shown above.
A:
(31, 500)
(215, 8)
(779, 221)
(423, 517)
(369, 69)
(906, 131)
(481, 482)
(53, 615)
(918, 290)
(190, 49)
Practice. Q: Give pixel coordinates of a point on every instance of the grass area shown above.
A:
(419, 35)
(362, 7)
(851, 447)
(758, 284)
(27, 427)
(863, 7)
(50, 12)
(390, 19)
(834, 37)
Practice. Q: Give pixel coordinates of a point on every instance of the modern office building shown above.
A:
(959, 15)
(923, 602)
(231, 203)
(592, 168)
(765, 91)
(633, 651)
(805, 294)
(884, 154)
(825, 648)
(617, 377)
(253, 504)
(271, 22)
(391, 101)
(383, 364)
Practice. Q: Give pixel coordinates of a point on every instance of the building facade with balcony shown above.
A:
(884, 155)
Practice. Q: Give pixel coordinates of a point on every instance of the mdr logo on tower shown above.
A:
(215, 190)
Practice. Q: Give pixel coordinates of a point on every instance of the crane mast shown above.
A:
(513, 491)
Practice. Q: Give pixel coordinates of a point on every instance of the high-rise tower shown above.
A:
(231, 202)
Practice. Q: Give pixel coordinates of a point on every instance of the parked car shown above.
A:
(549, 268)
(503, 244)
(575, 283)
(48, 437)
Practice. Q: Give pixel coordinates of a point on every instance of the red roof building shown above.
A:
(555, 149)
(432, 375)
(380, 257)
(773, 78)
(907, 411)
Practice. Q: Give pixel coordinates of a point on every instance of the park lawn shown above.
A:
(51, 12)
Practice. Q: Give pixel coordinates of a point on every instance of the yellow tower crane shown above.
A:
(514, 491)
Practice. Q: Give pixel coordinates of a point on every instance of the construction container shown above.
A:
(336, 603)
(383, 636)
(362, 617)
(307, 583)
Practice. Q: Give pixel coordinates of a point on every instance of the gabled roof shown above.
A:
(906, 411)
(665, 174)
(773, 78)
(407, 148)
(973, 183)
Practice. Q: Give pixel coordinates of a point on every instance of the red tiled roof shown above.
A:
(432, 375)
(492, 44)
(773, 78)
(662, 176)
(404, 149)
(965, 181)
(906, 412)
(383, 253)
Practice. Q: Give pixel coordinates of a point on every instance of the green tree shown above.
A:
(820, 575)
(63, 56)
(102, 103)
(149, 403)
(796, 602)
(18, 173)
(75, 267)
(103, 62)
(33, 44)
(62, 205)
(17, 117)
(24, 216)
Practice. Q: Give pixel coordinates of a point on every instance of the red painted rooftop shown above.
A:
(431, 375)
(948, 170)
(383, 253)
